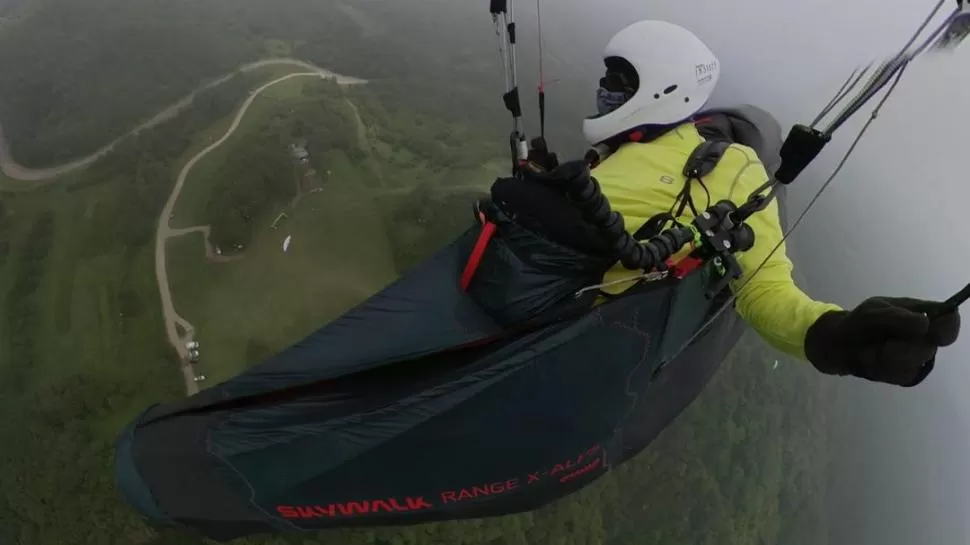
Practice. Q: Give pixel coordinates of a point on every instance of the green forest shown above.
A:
(98, 67)
(82, 344)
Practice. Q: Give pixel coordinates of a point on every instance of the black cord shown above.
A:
(704, 186)
(684, 199)
(690, 203)
(677, 200)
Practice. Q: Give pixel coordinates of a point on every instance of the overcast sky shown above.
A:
(891, 224)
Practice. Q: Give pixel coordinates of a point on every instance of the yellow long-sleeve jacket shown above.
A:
(643, 179)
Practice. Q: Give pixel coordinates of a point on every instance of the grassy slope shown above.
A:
(247, 309)
(83, 327)
(97, 360)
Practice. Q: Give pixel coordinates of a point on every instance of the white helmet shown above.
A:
(673, 73)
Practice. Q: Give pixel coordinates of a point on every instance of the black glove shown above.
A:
(892, 340)
(540, 159)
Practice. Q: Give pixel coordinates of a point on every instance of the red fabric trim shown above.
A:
(685, 266)
(475, 259)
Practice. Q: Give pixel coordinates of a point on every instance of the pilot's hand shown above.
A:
(884, 339)
(540, 159)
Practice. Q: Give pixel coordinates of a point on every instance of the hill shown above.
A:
(99, 66)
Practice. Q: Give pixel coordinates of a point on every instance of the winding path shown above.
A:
(165, 231)
(14, 170)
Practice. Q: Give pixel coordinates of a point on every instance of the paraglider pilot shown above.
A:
(650, 103)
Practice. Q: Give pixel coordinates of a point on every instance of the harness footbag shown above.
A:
(523, 276)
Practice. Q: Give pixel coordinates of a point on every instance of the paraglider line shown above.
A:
(932, 38)
(890, 68)
(922, 27)
(539, 32)
(542, 78)
(850, 83)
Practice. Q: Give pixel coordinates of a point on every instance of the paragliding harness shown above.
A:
(547, 240)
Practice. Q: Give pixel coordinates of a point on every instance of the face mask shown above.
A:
(607, 101)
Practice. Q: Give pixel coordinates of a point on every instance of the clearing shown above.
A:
(248, 309)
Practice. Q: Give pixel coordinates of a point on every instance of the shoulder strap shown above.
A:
(705, 157)
(700, 163)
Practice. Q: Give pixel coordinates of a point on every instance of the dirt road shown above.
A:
(12, 169)
(165, 232)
